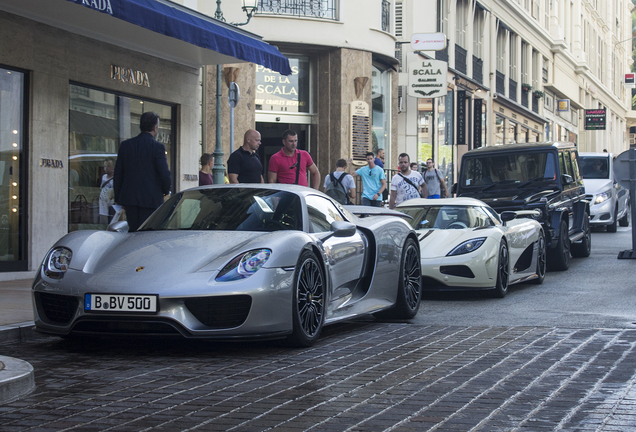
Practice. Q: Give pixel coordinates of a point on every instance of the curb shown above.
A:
(19, 332)
(16, 379)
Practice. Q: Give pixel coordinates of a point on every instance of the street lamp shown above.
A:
(218, 171)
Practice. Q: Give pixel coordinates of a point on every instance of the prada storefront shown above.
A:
(69, 97)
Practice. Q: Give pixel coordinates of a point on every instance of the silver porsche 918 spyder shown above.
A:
(465, 244)
(231, 262)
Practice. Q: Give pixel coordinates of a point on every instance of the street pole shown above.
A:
(218, 171)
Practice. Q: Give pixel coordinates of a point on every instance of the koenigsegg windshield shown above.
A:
(229, 209)
(515, 170)
(594, 167)
(447, 217)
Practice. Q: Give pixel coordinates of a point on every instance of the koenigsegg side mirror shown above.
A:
(508, 216)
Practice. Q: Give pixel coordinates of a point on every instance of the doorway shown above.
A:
(272, 139)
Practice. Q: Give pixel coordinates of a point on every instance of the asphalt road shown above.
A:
(596, 292)
(559, 356)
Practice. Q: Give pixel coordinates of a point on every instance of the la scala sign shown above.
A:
(427, 78)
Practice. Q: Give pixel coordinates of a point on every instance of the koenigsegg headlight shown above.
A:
(244, 265)
(603, 196)
(467, 246)
(57, 261)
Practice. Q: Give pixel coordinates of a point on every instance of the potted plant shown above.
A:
(537, 94)
(526, 87)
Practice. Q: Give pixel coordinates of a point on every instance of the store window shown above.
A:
(280, 93)
(499, 129)
(511, 135)
(13, 255)
(381, 108)
(98, 122)
(444, 159)
(424, 132)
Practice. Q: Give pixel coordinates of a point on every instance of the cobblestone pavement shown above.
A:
(361, 376)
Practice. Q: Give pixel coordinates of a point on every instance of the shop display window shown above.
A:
(98, 122)
(12, 171)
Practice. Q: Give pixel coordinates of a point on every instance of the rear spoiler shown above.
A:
(364, 211)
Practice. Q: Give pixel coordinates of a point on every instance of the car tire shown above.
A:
(625, 220)
(308, 301)
(409, 292)
(541, 260)
(503, 271)
(584, 248)
(559, 257)
(612, 227)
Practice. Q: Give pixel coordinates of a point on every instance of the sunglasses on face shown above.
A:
(294, 166)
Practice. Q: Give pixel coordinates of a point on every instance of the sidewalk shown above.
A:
(16, 322)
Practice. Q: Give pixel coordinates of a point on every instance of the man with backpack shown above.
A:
(339, 185)
(406, 184)
(434, 181)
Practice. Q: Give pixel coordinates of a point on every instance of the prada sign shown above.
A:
(100, 5)
(129, 76)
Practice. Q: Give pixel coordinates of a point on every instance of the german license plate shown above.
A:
(120, 303)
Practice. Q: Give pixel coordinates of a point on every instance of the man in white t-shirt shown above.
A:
(406, 184)
(347, 182)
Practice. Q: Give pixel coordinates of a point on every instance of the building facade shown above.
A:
(341, 54)
(519, 71)
(74, 81)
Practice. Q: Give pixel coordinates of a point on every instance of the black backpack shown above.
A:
(336, 190)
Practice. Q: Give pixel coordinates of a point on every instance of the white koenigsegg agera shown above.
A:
(465, 244)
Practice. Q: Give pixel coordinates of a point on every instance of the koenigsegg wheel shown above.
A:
(625, 220)
(611, 228)
(559, 257)
(409, 291)
(308, 302)
(541, 260)
(503, 271)
(584, 248)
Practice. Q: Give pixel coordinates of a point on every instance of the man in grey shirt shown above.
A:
(434, 181)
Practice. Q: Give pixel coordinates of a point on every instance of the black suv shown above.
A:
(543, 176)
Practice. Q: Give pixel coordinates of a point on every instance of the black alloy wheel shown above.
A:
(611, 228)
(541, 260)
(503, 271)
(584, 247)
(559, 257)
(308, 307)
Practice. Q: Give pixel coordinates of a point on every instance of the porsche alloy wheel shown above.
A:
(409, 285)
(503, 271)
(308, 302)
(541, 259)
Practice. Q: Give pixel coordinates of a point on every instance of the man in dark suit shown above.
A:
(142, 176)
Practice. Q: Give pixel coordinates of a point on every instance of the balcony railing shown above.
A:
(478, 70)
(501, 83)
(386, 16)
(326, 9)
(512, 89)
(535, 104)
(460, 59)
(524, 98)
(443, 54)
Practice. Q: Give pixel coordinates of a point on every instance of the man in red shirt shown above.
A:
(284, 166)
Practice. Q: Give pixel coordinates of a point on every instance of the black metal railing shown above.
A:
(535, 104)
(443, 54)
(386, 16)
(512, 89)
(501, 83)
(460, 59)
(478, 70)
(524, 98)
(327, 9)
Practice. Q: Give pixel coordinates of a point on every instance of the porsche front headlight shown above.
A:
(467, 246)
(602, 197)
(244, 265)
(56, 262)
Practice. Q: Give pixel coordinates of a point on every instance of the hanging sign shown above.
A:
(563, 105)
(427, 78)
(428, 41)
(629, 80)
(595, 119)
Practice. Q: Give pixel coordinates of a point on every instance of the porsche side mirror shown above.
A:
(120, 226)
(507, 216)
(343, 229)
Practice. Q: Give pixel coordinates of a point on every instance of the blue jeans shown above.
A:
(436, 196)
(368, 202)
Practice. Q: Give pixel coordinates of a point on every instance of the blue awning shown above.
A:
(156, 27)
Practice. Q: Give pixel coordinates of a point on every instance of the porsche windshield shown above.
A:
(447, 217)
(229, 209)
(594, 167)
(508, 170)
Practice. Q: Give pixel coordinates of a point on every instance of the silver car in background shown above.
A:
(231, 262)
(609, 201)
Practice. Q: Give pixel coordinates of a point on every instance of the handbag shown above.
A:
(79, 211)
